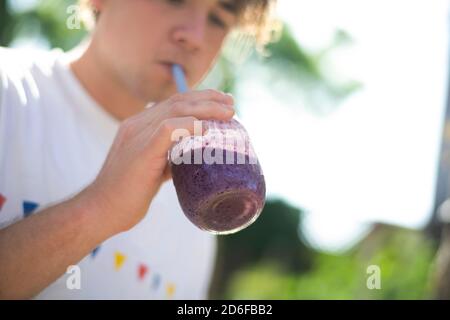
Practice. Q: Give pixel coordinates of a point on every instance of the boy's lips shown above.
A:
(168, 65)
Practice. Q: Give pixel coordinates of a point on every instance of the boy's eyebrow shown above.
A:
(229, 6)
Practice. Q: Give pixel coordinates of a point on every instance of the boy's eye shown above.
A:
(217, 21)
(213, 18)
(175, 2)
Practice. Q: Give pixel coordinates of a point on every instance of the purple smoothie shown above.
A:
(220, 198)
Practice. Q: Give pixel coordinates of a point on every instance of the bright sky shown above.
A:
(374, 159)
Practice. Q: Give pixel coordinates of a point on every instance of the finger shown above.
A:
(170, 131)
(176, 105)
(198, 95)
(203, 110)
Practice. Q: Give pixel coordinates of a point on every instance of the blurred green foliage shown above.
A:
(43, 20)
(403, 256)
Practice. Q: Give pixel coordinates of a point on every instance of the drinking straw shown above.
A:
(180, 78)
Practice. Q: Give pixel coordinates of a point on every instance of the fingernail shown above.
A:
(230, 95)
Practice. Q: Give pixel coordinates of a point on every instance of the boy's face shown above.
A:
(136, 41)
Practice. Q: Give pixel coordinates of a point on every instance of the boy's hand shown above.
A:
(137, 163)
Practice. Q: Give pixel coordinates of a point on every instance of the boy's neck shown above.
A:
(107, 92)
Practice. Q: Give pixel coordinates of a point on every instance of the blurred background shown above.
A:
(347, 113)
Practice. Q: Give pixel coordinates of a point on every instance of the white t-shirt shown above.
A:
(53, 140)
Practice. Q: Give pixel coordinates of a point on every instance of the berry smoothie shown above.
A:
(222, 197)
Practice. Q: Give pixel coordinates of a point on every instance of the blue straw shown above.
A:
(180, 78)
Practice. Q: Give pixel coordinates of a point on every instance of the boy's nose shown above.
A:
(191, 33)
